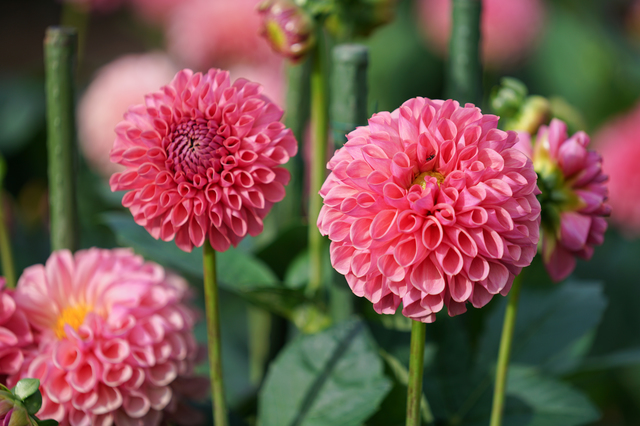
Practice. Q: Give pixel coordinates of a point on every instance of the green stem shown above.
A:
(214, 339)
(464, 79)
(319, 122)
(416, 368)
(505, 351)
(60, 61)
(6, 255)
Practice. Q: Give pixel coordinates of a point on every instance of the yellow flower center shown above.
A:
(421, 178)
(73, 316)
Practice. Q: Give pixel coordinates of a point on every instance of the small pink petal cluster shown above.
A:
(619, 144)
(16, 336)
(430, 206)
(573, 197)
(117, 85)
(509, 28)
(202, 160)
(113, 335)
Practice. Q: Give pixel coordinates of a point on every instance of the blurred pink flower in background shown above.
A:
(220, 33)
(203, 159)
(117, 85)
(156, 11)
(509, 28)
(430, 206)
(15, 333)
(574, 195)
(113, 335)
(619, 143)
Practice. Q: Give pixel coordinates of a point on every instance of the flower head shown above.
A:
(619, 143)
(287, 27)
(202, 160)
(429, 206)
(16, 334)
(573, 197)
(117, 85)
(509, 28)
(113, 335)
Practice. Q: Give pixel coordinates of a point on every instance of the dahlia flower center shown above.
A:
(73, 316)
(421, 179)
(193, 147)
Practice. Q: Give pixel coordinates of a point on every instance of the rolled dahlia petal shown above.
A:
(574, 195)
(113, 336)
(428, 206)
(203, 159)
(16, 334)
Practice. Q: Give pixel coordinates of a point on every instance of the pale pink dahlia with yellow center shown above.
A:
(430, 206)
(113, 335)
(203, 160)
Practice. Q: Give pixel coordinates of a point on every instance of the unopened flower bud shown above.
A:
(508, 97)
(534, 113)
(12, 411)
(287, 27)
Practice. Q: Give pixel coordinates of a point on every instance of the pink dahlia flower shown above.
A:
(117, 85)
(202, 158)
(573, 197)
(619, 143)
(430, 206)
(205, 33)
(16, 336)
(113, 336)
(509, 28)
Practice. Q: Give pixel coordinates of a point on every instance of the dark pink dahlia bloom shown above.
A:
(202, 159)
(430, 206)
(574, 194)
(113, 336)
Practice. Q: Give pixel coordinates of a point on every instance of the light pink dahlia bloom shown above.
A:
(113, 335)
(203, 160)
(429, 206)
(573, 197)
(16, 335)
(509, 28)
(619, 143)
(206, 33)
(117, 85)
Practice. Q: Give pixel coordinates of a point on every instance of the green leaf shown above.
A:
(33, 403)
(26, 387)
(330, 378)
(236, 269)
(549, 321)
(549, 402)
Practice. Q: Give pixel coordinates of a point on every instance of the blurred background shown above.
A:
(585, 53)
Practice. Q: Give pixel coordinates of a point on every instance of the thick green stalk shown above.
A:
(348, 90)
(505, 351)
(214, 339)
(348, 110)
(75, 15)
(464, 79)
(319, 123)
(416, 368)
(60, 60)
